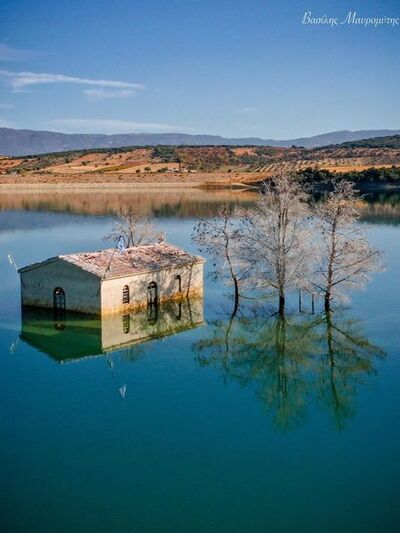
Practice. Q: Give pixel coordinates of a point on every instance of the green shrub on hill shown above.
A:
(382, 175)
(392, 141)
(167, 154)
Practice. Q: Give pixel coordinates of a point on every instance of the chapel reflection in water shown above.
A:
(71, 336)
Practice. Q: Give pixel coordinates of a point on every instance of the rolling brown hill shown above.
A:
(211, 164)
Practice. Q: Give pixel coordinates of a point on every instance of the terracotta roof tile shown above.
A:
(109, 264)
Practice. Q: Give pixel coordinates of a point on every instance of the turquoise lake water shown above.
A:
(250, 425)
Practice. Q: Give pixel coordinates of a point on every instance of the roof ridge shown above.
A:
(109, 264)
(105, 250)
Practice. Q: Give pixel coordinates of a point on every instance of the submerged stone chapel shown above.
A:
(108, 280)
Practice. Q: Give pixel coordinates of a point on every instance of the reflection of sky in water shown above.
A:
(189, 449)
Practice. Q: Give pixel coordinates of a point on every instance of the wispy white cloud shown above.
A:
(7, 106)
(20, 80)
(101, 94)
(96, 125)
(8, 53)
(244, 110)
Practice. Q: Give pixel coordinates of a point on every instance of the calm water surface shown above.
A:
(236, 425)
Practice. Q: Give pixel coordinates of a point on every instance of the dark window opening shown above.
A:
(125, 294)
(126, 323)
(59, 298)
(179, 282)
(152, 303)
(152, 293)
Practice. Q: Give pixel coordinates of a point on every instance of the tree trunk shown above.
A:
(236, 305)
(327, 301)
(281, 303)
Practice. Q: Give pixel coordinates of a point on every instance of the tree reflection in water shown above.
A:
(346, 357)
(293, 362)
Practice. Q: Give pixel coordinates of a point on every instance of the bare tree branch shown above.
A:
(344, 258)
(278, 236)
(134, 229)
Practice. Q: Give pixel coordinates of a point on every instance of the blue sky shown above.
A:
(198, 66)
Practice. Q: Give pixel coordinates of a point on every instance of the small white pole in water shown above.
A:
(12, 262)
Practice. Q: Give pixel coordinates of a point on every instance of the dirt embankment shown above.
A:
(149, 179)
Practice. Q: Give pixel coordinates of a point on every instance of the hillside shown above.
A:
(206, 165)
(392, 141)
(14, 142)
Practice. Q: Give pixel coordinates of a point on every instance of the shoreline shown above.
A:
(205, 182)
(113, 187)
(145, 187)
(77, 187)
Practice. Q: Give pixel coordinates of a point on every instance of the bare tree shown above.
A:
(278, 236)
(134, 229)
(344, 258)
(220, 238)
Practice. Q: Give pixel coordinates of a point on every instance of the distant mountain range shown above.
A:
(28, 142)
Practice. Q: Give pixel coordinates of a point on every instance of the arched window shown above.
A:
(125, 294)
(126, 323)
(152, 293)
(59, 298)
(178, 282)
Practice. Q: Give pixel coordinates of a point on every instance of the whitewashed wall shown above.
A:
(167, 287)
(82, 289)
(84, 292)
